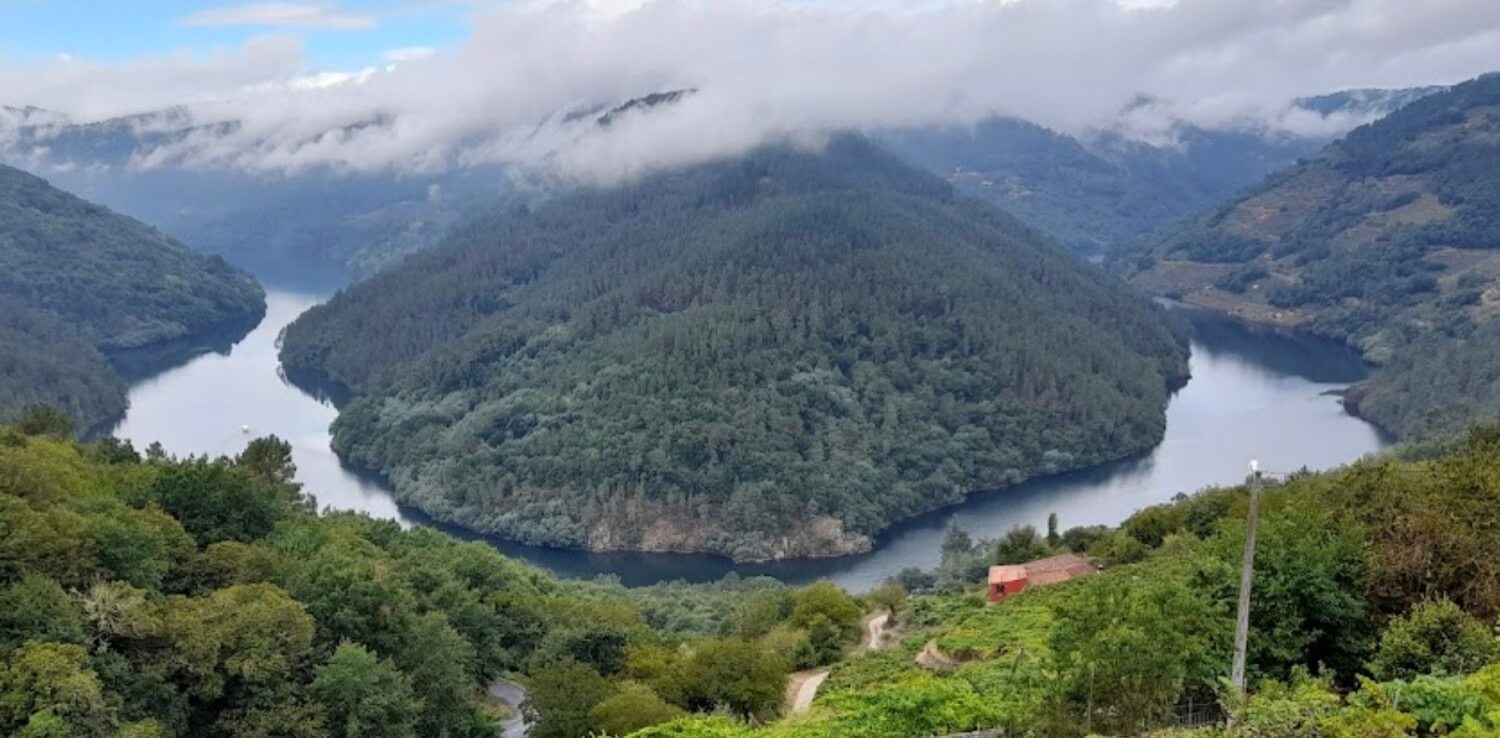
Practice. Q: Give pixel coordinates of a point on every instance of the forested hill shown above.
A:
(1390, 239)
(77, 279)
(774, 356)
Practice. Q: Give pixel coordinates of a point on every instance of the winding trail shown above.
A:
(803, 686)
(511, 695)
(873, 638)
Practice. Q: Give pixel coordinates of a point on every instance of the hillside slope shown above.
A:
(45, 361)
(79, 279)
(1374, 600)
(1390, 240)
(1105, 190)
(1047, 179)
(775, 356)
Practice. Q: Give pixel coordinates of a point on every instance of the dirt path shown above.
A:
(803, 685)
(512, 695)
(873, 638)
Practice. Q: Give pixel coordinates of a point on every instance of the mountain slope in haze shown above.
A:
(1050, 180)
(272, 223)
(79, 281)
(1370, 103)
(773, 356)
(1105, 190)
(1390, 240)
(309, 223)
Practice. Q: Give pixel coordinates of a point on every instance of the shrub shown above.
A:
(1433, 638)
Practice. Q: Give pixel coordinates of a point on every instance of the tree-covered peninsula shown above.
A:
(773, 356)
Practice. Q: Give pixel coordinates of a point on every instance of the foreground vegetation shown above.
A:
(1376, 594)
(156, 597)
(1389, 240)
(78, 281)
(775, 356)
(150, 596)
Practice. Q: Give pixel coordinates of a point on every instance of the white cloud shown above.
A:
(91, 90)
(776, 68)
(410, 53)
(281, 15)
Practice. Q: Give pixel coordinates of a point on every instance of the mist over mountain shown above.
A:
(271, 222)
(749, 368)
(1090, 192)
(1096, 193)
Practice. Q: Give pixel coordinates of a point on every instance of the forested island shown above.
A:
(79, 282)
(773, 356)
(1389, 240)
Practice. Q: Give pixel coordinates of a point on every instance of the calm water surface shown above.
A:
(1254, 394)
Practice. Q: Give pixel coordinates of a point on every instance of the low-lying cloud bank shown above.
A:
(768, 69)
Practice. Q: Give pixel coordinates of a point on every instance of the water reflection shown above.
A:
(1254, 394)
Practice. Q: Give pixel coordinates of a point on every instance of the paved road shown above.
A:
(513, 695)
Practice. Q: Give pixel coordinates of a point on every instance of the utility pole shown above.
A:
(1247, 573)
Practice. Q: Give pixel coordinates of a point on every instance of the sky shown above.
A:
(334, 35)
(433, 83)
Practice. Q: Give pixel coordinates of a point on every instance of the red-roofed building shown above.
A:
(1008, 580)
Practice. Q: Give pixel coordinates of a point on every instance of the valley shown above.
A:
(750, 369)
(1251, 392)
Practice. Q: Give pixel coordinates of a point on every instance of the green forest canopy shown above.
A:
(157, 597)
(774, 356)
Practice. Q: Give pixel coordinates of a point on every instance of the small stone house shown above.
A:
(1008, 580)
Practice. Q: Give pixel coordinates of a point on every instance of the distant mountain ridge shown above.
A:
(1092, 193)
(774, 356)
(1389, 239)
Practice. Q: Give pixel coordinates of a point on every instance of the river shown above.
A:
(1254, 394)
